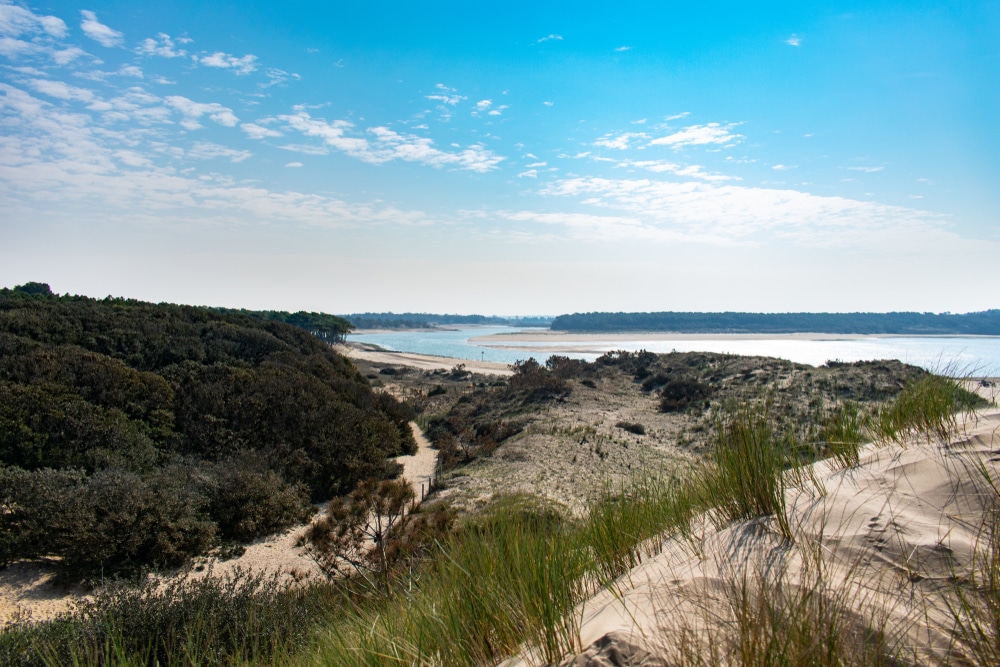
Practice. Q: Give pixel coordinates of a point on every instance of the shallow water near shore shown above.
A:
(979, 355)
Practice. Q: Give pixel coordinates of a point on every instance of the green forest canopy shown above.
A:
(985, 323)
(134, 433)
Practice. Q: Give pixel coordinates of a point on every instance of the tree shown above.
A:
(354, 534)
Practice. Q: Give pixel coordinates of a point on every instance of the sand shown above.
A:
(425, 362)
(894, 532)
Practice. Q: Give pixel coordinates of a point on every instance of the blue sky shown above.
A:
(513, 158)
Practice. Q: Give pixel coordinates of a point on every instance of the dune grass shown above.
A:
(237, 619)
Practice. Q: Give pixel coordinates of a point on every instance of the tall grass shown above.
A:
(930, 407)
(747, 477)
(623, 527)
(212, 621)
(512, 577)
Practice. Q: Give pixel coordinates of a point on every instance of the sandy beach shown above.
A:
(424, 362)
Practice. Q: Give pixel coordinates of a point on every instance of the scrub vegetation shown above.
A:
(135, 435)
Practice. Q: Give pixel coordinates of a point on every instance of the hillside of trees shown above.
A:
(136, 434)
(985, 323)
(426, 320)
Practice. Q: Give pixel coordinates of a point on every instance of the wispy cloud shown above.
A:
(162, 45)
(62, 91)
(255, 131)
(446, 95)
(294, 164)
(192, 111)
(794, 40)
(65, 165)
(385, 145)
(747, 214)
(16, 21)
(620, 141)
(867, 170)
(699, 135)
(623, 48)
(99, 32)
(549, 38)
(243, 65)
(206, 150)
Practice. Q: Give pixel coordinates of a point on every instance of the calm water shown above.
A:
(978, 355)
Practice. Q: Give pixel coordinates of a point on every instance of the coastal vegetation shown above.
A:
(136, 434)
(473, 582)
(985, 323)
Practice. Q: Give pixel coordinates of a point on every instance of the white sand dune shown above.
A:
(889, 537)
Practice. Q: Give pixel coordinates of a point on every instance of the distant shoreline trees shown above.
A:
(984, 323)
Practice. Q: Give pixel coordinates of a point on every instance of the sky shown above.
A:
(517, 158)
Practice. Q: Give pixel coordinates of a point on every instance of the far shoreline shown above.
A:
(549, 336)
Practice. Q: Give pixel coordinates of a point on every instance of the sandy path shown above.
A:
(28, 587)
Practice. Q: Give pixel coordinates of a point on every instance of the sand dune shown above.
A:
(888, 537)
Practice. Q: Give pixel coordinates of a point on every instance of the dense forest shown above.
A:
(985, 323)
(137, 434)
(426, 320)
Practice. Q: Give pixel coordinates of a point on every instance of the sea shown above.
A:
(953, 355)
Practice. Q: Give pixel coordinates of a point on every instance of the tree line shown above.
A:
(985, 323)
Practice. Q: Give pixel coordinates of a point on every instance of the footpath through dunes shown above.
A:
(879, 558)
(29, 588)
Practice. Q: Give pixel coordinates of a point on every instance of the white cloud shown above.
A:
(277, 77)
(162, 45)
(536, 164)
(16, 21)
(244, 65)
(748, 214)
(192, 111)
(99, 32)
(620, 142)
(294, 164)
(867, 170)
(483, 105)
(499, 110)
(698, 135)
(12, 48)
(67, 55)
(130, 70)
(205, 150)
(678, 116)
(529, 173)
(549, 38)
(665, 167)
(548, 104)
(794, 40)
(446, 95)
(57, 163)
(387, 145)
(623, 48)
(782, 167)
(255, 131)
(62, 91)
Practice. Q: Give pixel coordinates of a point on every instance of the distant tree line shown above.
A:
(985, 323)
(135, 434)
(322, 325)
(427, 320)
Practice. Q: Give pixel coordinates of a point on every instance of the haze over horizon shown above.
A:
(519, 159)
